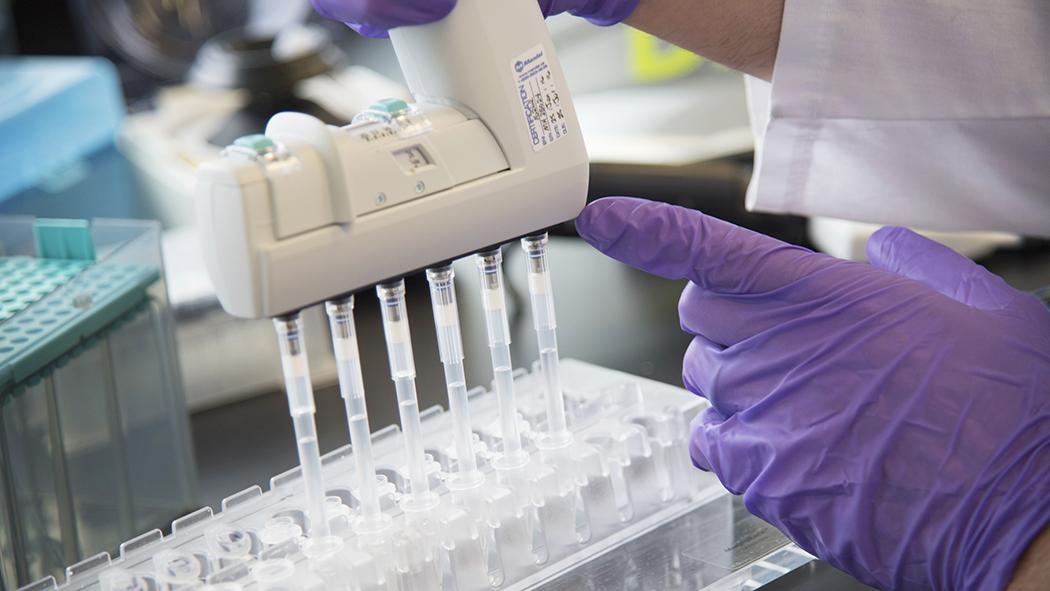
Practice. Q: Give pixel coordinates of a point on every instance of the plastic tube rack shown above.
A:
(630, 472)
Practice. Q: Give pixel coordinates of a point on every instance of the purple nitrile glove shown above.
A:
(374, 18)
(892, 418)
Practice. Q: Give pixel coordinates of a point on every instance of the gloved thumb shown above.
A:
(679, 243)
(911, 255)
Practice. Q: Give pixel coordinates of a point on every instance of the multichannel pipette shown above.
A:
(490, 272)
(541, 297)
(403, 372)
(352, 388)
(450, 349)
(301, 407)
(490, 150)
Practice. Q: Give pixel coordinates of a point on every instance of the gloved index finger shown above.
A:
(679, 243)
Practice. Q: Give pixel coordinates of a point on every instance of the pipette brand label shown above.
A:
(540, 98)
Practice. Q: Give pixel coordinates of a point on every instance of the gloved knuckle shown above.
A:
(687, 300)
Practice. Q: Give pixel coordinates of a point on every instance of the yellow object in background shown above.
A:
(651, 59)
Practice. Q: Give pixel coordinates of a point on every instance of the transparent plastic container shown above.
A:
(93, 428)
(635, 514)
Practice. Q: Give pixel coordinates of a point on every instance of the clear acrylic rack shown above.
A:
(621, 508)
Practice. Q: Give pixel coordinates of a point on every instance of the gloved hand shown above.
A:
(892, 418)
(373, 18)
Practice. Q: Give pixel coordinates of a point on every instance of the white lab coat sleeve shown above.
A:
(933, 114)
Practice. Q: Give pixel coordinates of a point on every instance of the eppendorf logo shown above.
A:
(520, 65)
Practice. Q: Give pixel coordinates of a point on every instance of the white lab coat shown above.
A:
(927, 113)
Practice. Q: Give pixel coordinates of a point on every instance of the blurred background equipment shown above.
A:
(7, 34)
(269, 68)
(60, 110)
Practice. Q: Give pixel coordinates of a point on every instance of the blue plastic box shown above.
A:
(54, 112)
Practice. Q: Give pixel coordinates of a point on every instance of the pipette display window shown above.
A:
(412, 159)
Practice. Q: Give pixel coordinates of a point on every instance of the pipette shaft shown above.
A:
(450, 348)
(542, 300)
(403, 372)
(301, 407)
(351, 386)
(490, 272)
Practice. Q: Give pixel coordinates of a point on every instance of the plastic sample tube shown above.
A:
(301, 407)
(227, 545)
(450, 348)
(177, 569)
(403, 372)
(490, 272)
(276, 575)
(118, 579)
(542, 299)
(278, 530)
(352, 388)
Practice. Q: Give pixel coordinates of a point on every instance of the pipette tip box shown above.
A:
(94, 439)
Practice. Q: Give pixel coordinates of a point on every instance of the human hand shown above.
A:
(892, 418)
(374, 18)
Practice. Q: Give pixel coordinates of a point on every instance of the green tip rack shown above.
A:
(59, 301)
(94, 438)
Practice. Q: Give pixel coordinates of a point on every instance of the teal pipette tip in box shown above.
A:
(59, 301)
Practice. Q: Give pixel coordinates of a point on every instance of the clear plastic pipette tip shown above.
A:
(403, 372)
(352, 389)
(450, 349)
(542, 300)
(301, 407)
(494, 301)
